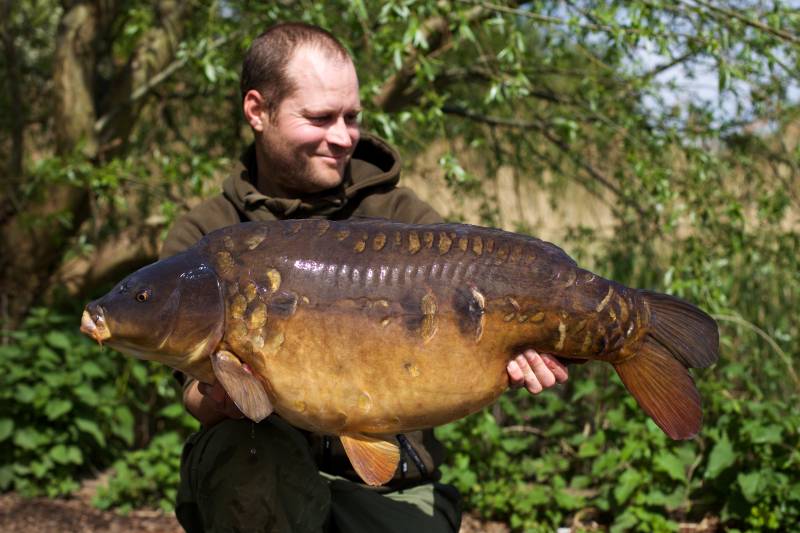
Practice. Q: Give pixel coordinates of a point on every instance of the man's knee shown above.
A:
(257, 477)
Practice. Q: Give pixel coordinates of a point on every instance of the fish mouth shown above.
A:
(93, 325)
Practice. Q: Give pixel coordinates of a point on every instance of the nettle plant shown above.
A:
(69, 408)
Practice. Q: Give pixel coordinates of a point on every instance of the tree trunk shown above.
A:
(33, 239)
(16, 115)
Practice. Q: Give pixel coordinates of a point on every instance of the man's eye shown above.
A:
(352, 118)
(319, 119)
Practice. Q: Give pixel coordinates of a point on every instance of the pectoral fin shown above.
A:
(242, 385)
(375, 460)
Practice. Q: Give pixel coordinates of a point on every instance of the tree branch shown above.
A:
(768, 339)
(586, 184)
(487, 119)
(133, 247)
(153, 54)
(395, 94)
(786, 36)
(147, 87)
(545, 130)
(555, 20)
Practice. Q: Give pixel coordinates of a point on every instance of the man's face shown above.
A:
(309, 141)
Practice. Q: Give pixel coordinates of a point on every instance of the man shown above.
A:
(309, 159)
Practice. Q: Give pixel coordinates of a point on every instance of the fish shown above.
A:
(366, 329)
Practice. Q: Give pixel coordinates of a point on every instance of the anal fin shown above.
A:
(664, 389)
(242, 385)
(375, 460)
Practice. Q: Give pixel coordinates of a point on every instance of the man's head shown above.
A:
(300, 97)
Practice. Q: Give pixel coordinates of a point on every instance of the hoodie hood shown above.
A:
(374, 164)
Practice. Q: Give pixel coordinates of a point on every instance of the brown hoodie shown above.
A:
(369, 189)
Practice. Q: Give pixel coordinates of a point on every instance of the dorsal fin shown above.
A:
(375, 460)
(242, 385)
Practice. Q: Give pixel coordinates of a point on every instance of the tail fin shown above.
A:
(681, 335)
(687, 332)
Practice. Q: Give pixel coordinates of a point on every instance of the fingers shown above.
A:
(220, 399)
(535, 372)
(516, 378)
(558, 369)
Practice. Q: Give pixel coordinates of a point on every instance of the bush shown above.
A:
(589, 449)
(145, 478)
(68, 408)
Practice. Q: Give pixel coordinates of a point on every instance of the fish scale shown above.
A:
(369, 328)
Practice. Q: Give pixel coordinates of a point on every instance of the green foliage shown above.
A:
(145, 478)
(596, 95)
(536, 462)
(70, 408)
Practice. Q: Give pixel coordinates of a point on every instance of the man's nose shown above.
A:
(339, 134)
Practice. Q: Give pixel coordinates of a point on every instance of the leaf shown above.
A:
(59, 340)
(91, 427)
(583, 388)
(25, 393)
(210, 72)
(750, 484)
(29, 438)
(59, 454)
(56, 408)
(6, 477)
(87, 394)
(90, 369)
(771, 434)
(63, 454)
(670, 501)
(46, 355)
(124, 426)
(721, 457)
(628, 482)
(536, 495)
(624, 522)
(75, 455)
(139, 371)
(672, 465)
(567, 499)
(55, 380)
(173, 410)
(41, 468)
(6, 428)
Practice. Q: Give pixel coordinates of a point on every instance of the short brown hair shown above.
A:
(265, 64)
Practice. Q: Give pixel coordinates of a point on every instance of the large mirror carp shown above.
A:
(367, 328)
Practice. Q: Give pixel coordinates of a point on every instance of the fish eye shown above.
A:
(143, 295)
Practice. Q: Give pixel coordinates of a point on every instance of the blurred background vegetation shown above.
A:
(656, 141)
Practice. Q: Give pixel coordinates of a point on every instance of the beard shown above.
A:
(292, 170)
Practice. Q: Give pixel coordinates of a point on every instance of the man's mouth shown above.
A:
(329, 158)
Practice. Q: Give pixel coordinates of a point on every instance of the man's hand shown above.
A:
(209, 404)
(535, 372)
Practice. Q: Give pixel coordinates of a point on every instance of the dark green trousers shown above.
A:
(240, 476)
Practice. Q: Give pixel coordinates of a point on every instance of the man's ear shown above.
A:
(255, 112)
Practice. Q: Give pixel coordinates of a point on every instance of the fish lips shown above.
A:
(93, 324)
